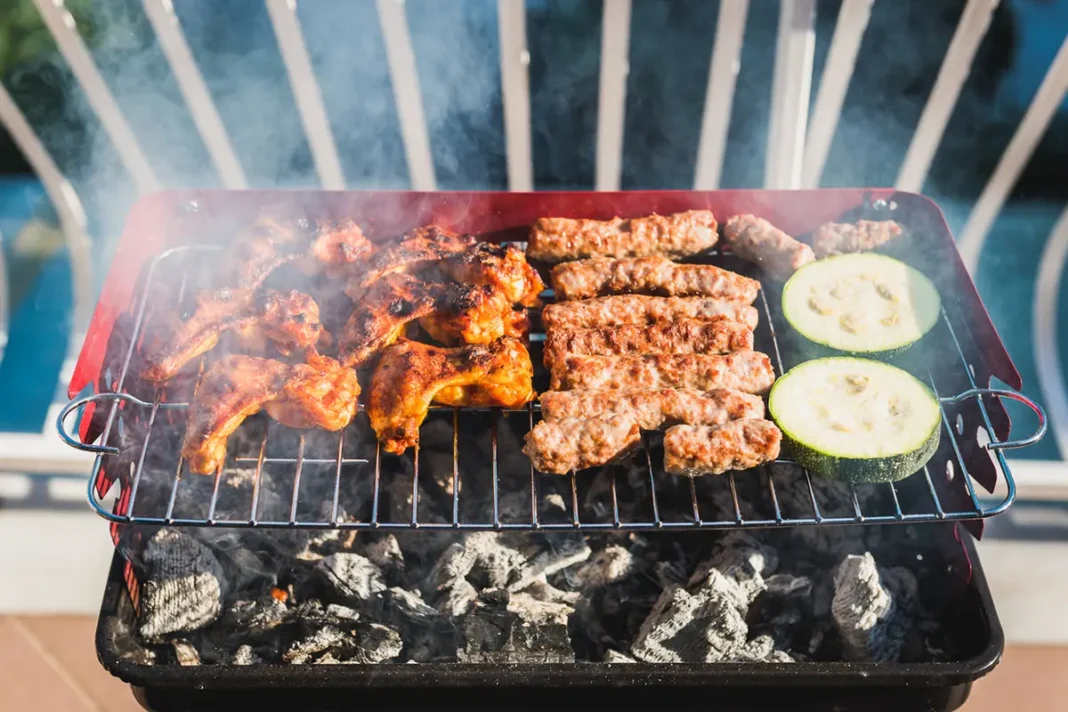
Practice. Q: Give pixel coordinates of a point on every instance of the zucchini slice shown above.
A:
(862, 303)
(856, 420)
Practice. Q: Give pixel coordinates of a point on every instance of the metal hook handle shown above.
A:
(1011, 395)
(78, 403)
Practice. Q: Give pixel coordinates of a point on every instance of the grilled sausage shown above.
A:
(560, 446)
(655, 276)
(694, 450)
(758, 241)
(747, 371)
(640, 309)
(678, 235)
(838, 238)
(679, 337)
(653, 408)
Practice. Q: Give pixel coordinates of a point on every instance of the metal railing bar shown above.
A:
(309, 99)
(722, 75)
(400, 59)
(195, 92)
(72, 219)
(834, 83)
(612, 94)
(61, 25)
(515, 92)
(1036, 120)
(791, 86)
(956, 65)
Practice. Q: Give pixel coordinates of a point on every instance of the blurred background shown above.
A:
(105, 100)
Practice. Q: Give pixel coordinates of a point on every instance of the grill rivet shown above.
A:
(879, 204)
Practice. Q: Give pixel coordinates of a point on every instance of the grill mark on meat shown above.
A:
(641, 309)
(839, 238)
(653, 408)
(558, 447)
(747, 371)
(652, 276)
(681, 337)
(694, 450)
(677, 235)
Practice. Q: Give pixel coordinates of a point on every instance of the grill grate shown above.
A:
(637, 500)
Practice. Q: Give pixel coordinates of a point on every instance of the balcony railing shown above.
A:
(798, 140)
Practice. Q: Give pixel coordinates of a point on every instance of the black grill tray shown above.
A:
(971, 622)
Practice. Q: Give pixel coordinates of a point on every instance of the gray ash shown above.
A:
(270, 596)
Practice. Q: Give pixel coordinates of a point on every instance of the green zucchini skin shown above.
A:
(862, 470)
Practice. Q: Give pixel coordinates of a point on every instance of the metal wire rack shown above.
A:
(472, 496)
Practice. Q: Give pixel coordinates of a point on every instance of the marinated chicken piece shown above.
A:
(678, 235)
(290, 320)
(640, 309)
(861, 236)
(679, 337)
(419, 248)
(758, 241)
(694, 450)
(746, 371)
(320, 393)
(316, 245)
(451, 313)
(410, 375)
(502, 266)
(653, 408)
(562, 446)
(655, 276)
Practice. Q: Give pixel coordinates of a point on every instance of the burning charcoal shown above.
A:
(761, 649)
(428, 635)
(510, 629)
(787, 600)
(244, 656)
(386, 554)
(185, 653)
(742, 560)
(457, 598)
(669, 573)
(684, 627)
(183, 586)
(557, 554)
(482, 556)
(611, 564)
(359, 643)
(614, 656)
(334, 610)
(870, 608)
(544, 591)
(352, 576)
(257, 615)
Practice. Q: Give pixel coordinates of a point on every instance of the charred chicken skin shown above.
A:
(411, 375)
(317, 245)
(419, 248)
(290, 320)
(502, 266)
(320, 393)
(451, 313)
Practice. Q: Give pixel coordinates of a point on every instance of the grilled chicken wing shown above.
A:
(837, 238)
(653, 408)
(560, 446)
(654, 275)
(747, 371)
(419, 248)
(410, 375)
(450, 312)
(288, 319)
(320, 393)
(639, 309)
(315, 244)
(679, 337)
(693, 450)
(502, 266)
(758, 241)
(677, 235)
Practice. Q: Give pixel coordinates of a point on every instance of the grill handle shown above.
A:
(74, 442)
(1011, 395)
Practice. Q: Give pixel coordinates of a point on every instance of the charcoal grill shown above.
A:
(121, 418)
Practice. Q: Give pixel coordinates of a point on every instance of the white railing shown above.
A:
(797, 146)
